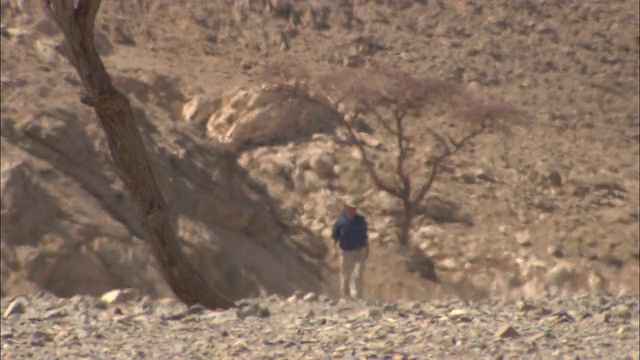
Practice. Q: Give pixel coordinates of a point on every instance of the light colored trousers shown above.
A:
(351, 269)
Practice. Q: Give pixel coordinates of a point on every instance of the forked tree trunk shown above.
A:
(76, 19)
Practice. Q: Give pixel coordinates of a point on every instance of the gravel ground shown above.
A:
(315, 327)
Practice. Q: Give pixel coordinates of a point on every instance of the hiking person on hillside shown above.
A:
(351, 240)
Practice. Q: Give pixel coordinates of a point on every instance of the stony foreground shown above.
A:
(314, 327)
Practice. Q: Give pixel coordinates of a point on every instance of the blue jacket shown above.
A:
(351, 234)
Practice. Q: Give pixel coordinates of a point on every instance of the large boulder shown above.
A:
(271, 113)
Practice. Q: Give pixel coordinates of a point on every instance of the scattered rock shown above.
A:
(56, 313)
(120, 296)
(523, 238)
(460, 315)
(623, 330)
(17, 306)
(373, 313)
(555, 251)
(39, 338)
(602, 318)
(391, 330)
(622, 312)
(563, 316)
(507, 331)
(596, 210)
(196, 309)
(310, 297)
(253, 310)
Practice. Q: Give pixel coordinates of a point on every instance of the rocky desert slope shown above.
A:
(254, 173)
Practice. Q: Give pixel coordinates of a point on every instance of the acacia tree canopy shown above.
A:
(408, 113)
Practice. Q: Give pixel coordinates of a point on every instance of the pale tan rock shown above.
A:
(120, 296)
(460, 315)
(47, 52)
(623, 330)
(197, 110)
(448, 264)
(523, 238)
(270, 113)
(17, 306)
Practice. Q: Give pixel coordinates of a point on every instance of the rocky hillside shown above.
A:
(254, 171)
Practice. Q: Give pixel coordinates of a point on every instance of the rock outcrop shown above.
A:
(272, 113)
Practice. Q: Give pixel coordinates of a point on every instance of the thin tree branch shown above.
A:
(380, 119)
(424, 189)
(405, 182)
(457, 145)
(440, 139)
(447, 152)
(77, 25)
(368, 164)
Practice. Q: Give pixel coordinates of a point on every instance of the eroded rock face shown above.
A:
(268, 114)
(69, 228)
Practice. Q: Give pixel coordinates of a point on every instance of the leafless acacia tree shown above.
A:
(411, 112)
(76, 19)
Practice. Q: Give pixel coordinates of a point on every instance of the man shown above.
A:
(351, 241)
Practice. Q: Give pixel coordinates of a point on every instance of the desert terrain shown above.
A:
(255, 174)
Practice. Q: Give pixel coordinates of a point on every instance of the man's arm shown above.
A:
(336, 249)
(366, 251)
(334, 239)
(366, 238)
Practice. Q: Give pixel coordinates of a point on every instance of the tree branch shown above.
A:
(448, 151)
(405, 182)
(380, 119)
(457, 145)
(77, 25)
(368, 164)
(424, 189)
(76, 19)
(440, 139)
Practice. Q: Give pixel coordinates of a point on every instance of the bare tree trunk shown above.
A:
(406, 223)
(76, 19)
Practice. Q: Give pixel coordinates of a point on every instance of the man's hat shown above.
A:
(351, 202)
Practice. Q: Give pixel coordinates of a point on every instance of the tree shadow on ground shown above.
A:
(418, 262)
